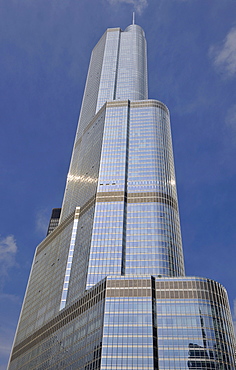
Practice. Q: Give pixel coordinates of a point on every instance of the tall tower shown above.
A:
(107, 289)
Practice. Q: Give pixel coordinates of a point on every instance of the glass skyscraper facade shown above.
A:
(107, 288)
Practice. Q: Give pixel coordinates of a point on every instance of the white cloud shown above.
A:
(224, 56)
(8, 249)
(42, 221)
(139, 5)
(10, 298)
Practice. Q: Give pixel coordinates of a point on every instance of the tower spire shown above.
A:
(133, 18)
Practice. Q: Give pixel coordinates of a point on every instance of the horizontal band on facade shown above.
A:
(138, 104)
(112, 199)
(162, 294)
(166, 289)
(144, 197)
(117, 103)
(128, 283)
(149, 103)
(129, 292)
(114, 29)
(185, 294)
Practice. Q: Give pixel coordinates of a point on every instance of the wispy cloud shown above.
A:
(8, 249)
(10, 298)
(224, 55)
(42, 220)
(139, 5)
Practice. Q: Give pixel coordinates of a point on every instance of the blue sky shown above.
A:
(45, 49)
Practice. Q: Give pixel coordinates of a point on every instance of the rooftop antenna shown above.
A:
(133, 17)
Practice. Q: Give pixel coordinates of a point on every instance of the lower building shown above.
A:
(54, 220)
(136, 322)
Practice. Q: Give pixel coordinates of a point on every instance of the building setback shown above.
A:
(107, 288)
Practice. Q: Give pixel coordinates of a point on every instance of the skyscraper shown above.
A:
(54, 220)
(107, 289)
